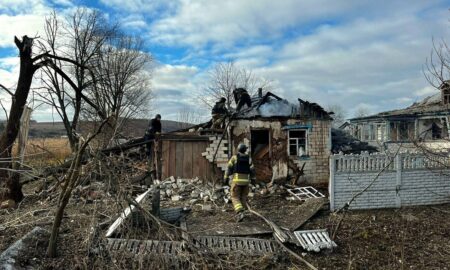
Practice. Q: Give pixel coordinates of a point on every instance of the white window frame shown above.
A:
(306, 141)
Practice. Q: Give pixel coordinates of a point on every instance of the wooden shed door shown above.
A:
(260, 152)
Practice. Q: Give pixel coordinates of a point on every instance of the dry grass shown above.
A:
(45, 151)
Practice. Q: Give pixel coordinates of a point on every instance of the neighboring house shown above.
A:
(282, 136)
(424, 121)
(346, 126)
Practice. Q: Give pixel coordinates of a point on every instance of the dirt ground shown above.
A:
(407, 238)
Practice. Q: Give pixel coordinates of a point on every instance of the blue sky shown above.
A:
(355, 53)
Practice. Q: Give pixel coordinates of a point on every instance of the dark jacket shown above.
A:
(238, 92)
(154, 126)
(219, 108)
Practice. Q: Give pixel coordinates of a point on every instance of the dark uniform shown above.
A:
(219, 112)
(241, 97)
(154, 127)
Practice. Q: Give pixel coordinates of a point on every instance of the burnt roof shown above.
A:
(273, 106)
(429, 106)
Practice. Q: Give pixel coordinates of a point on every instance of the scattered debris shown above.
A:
(307, 210)
(194, 190)
(304, 193)
(7, 204)
(10, 258)
(315, 240)
(125, 213)
(347, 144)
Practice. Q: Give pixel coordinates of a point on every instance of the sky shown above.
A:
(354, 53)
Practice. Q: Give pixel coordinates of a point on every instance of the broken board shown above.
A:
(307, 210)
(291, 216)
(125, 214)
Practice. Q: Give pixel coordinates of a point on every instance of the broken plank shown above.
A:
(125, 214)
(237, 229)
(306, 211)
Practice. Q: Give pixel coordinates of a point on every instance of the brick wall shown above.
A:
(319, 145)
(402, 180)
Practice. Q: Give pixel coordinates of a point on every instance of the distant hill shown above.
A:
(131, 128)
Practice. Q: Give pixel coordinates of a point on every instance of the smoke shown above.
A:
(277, 108)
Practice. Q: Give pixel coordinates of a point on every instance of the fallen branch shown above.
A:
(295, 255)
(278, 232)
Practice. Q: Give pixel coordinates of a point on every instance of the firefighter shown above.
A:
(241, 97)
(242, 172)
(154, 128)
(219, 112)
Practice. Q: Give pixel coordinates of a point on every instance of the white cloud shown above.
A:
(141, 6)
(175, 87)
(27, 24)
(426, 91)
(22, 6)
(356, 52)
(199, 22)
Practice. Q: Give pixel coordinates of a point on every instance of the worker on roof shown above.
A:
(241, 97)
(219, 113)
(243, 173)
(154, 129)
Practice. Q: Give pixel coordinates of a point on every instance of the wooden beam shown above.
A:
(307, 210)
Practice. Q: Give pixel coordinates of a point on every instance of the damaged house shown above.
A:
(424, 121)
(284, 139)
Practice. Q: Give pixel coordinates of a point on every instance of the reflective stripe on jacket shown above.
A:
(238, 178)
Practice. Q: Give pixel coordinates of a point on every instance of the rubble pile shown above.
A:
(195, 191)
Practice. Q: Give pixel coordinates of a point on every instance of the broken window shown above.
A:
(402, 131)
(298, 142)
(436, 131)
(446, 95)
(368, 132)
(380, 132)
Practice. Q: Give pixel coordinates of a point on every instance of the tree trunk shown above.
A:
(11, 131)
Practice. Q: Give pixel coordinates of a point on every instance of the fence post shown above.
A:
(398, 166)
(331, 182)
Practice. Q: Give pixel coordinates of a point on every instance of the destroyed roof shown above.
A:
(431, 105)
(271, 105)
(343, 142)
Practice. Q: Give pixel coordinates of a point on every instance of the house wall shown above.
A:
(319, 146)
(388, 182)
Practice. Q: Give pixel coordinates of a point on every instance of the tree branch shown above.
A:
(6, 89)
(74, 86)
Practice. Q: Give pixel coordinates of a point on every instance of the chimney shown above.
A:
(260, 92)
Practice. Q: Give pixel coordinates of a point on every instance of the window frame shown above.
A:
(297, 139)
(446, 96)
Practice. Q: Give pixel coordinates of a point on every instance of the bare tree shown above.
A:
(71, 179)
(339, 116)
(28, 67)
(224, 77)
(78, 36)
(362, 112)
(187, 116)
(123, 83)
(437, 67)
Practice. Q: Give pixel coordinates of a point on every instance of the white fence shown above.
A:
(388, 181)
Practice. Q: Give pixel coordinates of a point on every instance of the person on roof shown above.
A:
(219, 113)
(243, 173)
(241, 97)
(154, 128)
